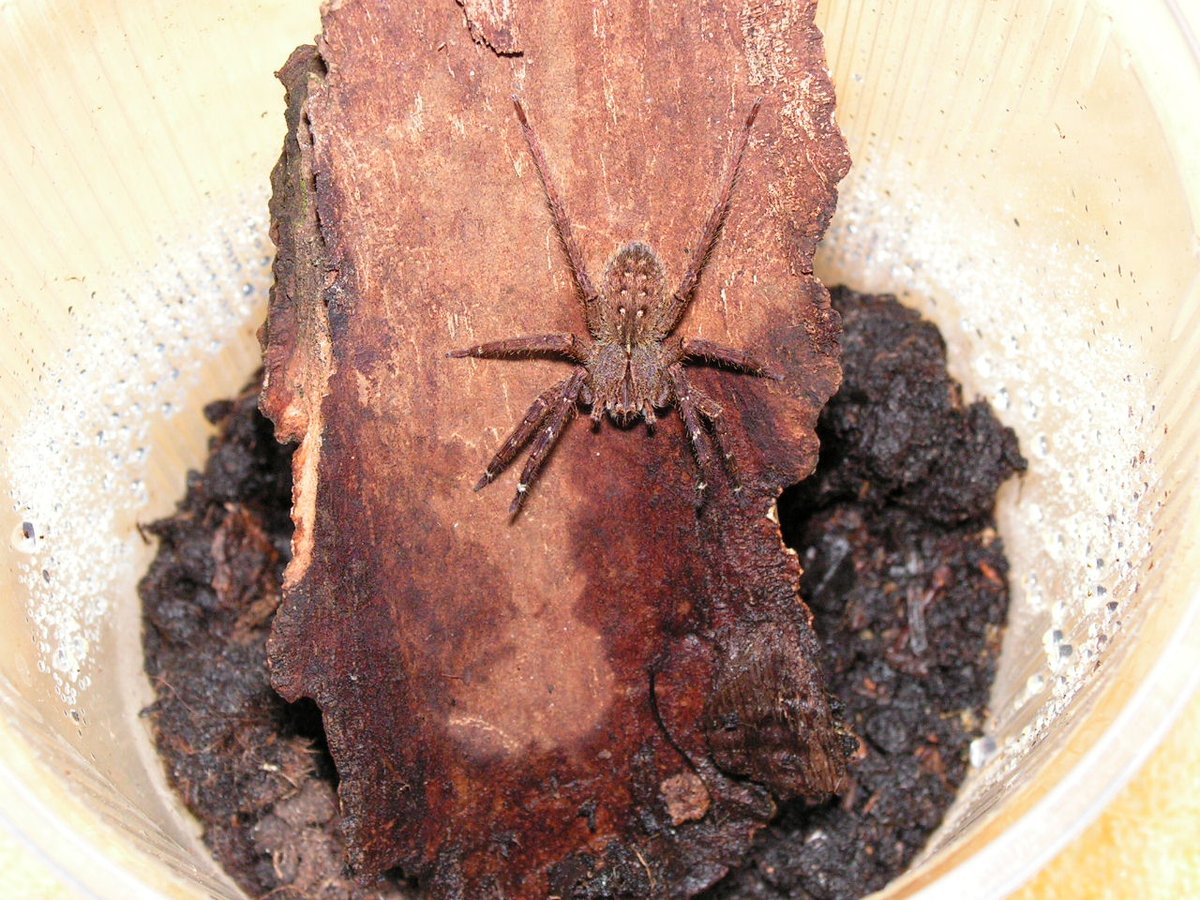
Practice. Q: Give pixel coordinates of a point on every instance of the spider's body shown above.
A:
(632, 367)
(627, 376)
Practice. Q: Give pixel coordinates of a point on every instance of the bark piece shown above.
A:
(297, 356)
(493, 22)
(507, 700)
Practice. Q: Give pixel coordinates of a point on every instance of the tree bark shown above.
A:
(607, 692)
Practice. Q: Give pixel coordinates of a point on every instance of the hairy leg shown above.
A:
(650, 416)
(712, 412)
(678, 304)
(560, 346)
(689, 410)
(549, 430)
(522, 434)
(591, 300)
(728, 357)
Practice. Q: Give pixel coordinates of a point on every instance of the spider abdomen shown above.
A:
(633, 290)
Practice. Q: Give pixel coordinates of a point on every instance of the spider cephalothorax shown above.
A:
(633, 366)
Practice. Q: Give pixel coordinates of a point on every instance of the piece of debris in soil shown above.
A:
(909, 597)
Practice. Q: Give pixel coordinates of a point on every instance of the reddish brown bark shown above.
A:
(606, 692)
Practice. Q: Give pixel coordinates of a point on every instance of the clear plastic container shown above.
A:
(1025, 174)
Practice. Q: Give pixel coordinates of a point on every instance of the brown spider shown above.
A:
(632, 366)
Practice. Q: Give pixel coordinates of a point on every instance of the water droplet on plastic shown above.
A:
(983, 751)
(25, 538)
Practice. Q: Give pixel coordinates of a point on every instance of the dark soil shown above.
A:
(908, 582)
(903, 571)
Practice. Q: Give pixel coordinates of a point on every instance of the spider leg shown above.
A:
(562, 346)
(714, 415)
(549, 430)
(728, 357)
(521, 435)
(688, 401)
(591, 299)
(675, 309)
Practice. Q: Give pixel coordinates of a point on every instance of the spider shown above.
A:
(633, 366)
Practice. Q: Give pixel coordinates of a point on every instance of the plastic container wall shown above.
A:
(1024, 174)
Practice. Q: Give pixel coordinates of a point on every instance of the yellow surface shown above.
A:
(22, 875)
(1145, 845)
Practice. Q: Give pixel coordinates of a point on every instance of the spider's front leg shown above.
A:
(523, 433)
(562, 224)
(672, 312)
(695, 408)
(688, 401)
(549, 430)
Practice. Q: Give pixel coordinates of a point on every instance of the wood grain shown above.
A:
(613, 687)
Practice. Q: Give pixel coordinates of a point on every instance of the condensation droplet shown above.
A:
(983, 751)
(25, 537)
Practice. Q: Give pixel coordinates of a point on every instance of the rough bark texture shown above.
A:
(908, 607)
(602, 696)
